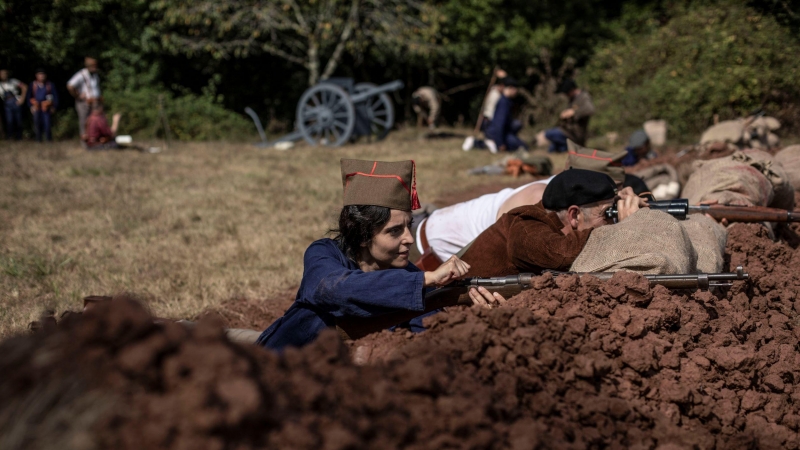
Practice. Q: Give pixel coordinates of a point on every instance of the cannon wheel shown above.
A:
(379, 110)
(325, 115)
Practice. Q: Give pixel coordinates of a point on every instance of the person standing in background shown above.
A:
(12, 92)
(85, 87)
(44, 101)
(427, 103)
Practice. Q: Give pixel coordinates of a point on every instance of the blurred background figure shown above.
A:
(43, 100)
(85, 87)
(638, 148)
(573, 121)
(99, 136)
(501, 131)
(492, 97)
(427, 105)
(12, 91)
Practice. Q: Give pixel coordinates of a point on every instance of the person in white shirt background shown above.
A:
(85, 87)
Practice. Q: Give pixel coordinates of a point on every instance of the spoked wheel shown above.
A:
(325, 115)
(378, 109)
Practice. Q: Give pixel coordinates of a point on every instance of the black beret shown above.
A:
(578, 187)
(635, 183)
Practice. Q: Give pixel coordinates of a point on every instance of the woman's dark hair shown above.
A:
(357, 225)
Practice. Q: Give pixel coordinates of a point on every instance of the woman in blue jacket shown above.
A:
(364, 270)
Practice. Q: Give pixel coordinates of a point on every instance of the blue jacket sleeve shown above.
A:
(329, 284)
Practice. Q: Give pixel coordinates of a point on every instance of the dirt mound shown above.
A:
(572, 364)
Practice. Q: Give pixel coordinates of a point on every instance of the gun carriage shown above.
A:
(337, 111)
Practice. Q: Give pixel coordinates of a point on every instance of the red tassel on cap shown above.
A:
(414, 197)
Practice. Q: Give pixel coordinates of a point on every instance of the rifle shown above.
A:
(457, 293)
(680, 209)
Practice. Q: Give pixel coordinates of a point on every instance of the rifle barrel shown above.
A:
(746, 214)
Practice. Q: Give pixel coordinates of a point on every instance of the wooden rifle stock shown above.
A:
(458, 294)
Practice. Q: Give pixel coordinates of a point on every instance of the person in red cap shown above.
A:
(551, 233)
(364, 271)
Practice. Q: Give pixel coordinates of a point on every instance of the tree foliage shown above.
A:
(699, 60)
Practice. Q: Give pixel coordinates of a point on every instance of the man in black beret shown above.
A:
(551, 233)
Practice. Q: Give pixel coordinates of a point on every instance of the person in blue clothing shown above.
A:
(638, 149)
(43, 100)
(501, 132)
(364, 271)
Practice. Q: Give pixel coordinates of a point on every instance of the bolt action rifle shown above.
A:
(457, 293)
(680, 209)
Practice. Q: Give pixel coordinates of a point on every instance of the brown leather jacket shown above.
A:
(526, 239)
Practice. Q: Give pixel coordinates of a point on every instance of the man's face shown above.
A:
(510, 91)
(642, 151)
(593, 216)
(3, 75)
(41, 77)
(91, 65)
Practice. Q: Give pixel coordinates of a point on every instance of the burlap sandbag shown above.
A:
(708, 239)
(726, 131)
(728, 182)
(789, 158)
(775, 173)
(648, 242)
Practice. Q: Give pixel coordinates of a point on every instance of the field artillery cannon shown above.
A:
(338, 110)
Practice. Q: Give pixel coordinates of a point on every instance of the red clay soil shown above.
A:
(574, 363)
(254, 314)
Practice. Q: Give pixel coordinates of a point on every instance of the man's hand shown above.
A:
(567, 113)
(452, 269)
(481, 296)
(628, 203)
(723, 221)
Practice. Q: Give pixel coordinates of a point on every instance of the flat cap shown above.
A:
(379, 183)
(597, 160)
(638, 139)
(578, 187)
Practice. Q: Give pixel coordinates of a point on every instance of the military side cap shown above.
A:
(380, 183)
(597, 160)
(578, 187)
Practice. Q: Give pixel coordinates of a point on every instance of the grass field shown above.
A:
(186, 229)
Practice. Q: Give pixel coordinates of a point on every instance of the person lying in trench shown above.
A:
(551, 233)
(364, 271)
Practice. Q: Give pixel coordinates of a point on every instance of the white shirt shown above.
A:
(10, 86)
(86, 83)
(450, 229)
(491, 102)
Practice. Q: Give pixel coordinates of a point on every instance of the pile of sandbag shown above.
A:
(789, 159)
(748, 178)
(750, 132)
(654, 242)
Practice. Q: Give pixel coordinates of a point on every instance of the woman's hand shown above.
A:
(452, 269)
(628, 203)
(481, 296)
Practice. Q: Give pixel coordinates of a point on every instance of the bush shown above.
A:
(705, 59)
(190, 117)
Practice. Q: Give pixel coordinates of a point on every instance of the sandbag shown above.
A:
(708, 239)
(661, 179)
(731, 131)
(728, 182)
(789, 159)
(647, 242)
(775, 173)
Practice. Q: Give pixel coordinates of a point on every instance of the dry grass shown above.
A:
(188, 228)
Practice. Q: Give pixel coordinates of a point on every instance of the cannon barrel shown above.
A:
(372, 92)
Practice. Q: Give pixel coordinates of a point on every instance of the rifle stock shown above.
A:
(458, 294)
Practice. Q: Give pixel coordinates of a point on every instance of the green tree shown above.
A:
(687, 63)
(313, 34)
